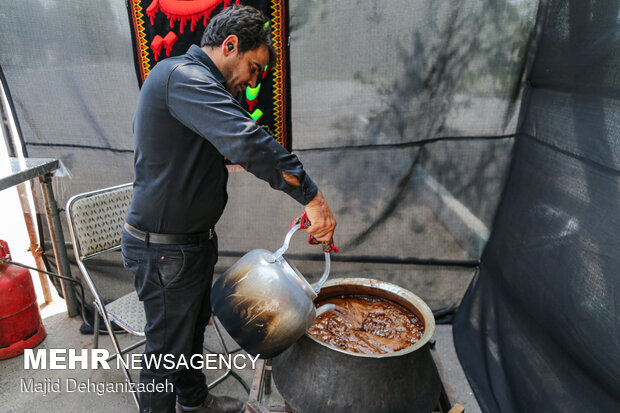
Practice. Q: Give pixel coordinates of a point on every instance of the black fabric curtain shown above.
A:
(539, 328)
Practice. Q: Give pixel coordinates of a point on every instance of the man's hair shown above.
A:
(250, 26)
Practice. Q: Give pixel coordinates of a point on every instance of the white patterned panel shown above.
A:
(128, 312)
(98, 219)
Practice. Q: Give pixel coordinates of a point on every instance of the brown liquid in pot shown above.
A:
(367, 324)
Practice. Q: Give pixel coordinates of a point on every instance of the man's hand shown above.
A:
(321, 218)
(319, 214)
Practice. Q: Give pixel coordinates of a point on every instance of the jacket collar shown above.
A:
(199, 55)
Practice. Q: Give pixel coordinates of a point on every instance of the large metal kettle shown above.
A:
(264, 302)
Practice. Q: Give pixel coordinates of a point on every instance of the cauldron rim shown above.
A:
(417, 302)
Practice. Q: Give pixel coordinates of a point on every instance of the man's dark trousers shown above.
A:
(174, 283)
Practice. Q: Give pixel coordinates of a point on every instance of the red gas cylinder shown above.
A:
(20, 321)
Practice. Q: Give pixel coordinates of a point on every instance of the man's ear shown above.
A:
(230, 45)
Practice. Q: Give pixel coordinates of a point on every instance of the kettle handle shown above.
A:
(302, 222)
(328, 246)
(287, 240)
(319, 284)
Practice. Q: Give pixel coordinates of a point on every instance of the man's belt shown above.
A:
(155, 238)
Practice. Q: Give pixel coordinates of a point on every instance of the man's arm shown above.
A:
(205, 107)
(210, 111)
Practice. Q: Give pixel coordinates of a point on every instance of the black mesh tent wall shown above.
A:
(539, 328)
(408, 130)
(407, 114)
(66, 65)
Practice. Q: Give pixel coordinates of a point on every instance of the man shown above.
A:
(186, 122)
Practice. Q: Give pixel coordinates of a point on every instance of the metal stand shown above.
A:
(35, 248)
(22, 170)
(447, 401)
(58, 240)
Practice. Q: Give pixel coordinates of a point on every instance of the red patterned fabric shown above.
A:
(174, 25)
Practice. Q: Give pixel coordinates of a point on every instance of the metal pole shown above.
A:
(58, 241)
(35, 248)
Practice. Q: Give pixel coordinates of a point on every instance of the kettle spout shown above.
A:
(325, 309)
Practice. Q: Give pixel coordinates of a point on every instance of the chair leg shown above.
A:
(117, 347)
(97, 312)
(127, 349)
(229, 372)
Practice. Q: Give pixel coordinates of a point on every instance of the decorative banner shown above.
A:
(164, 28)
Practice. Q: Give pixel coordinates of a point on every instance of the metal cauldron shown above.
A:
(315, 377)
(264, 302)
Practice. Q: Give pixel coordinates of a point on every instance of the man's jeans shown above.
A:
(174, 283)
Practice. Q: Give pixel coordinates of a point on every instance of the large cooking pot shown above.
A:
(264, 302)
(315, 377)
